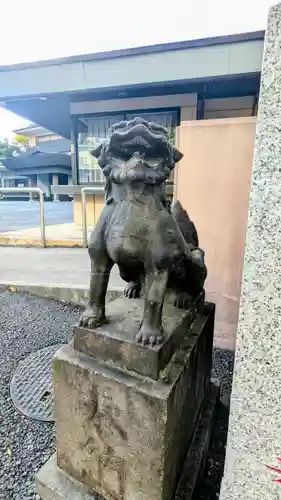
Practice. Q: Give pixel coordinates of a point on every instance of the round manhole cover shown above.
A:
(31, 386)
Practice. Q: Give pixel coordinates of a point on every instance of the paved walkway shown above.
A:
(50, 266)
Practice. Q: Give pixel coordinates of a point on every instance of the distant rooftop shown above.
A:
(29, 126)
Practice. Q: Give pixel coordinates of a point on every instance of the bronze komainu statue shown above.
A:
(151, 242)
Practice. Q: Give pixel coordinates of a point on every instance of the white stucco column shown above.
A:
(30, 185)
(55, 182)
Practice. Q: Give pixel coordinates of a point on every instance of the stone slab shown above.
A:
(254, 425)
(124, 435)
(53, 484)
(115, 342)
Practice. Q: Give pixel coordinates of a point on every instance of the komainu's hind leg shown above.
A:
(134, 282)
(133, 290)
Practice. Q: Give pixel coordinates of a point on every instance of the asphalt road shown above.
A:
(24, 214)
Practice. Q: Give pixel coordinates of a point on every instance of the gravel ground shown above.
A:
(27, 324)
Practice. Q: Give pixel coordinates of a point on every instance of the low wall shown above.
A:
(212, 182)
(94, 206)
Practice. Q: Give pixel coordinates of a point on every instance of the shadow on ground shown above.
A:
(223, 370)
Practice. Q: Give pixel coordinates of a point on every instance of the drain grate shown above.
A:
(31, 387)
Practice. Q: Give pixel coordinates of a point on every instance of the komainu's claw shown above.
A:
(150, 336)
(92, 317)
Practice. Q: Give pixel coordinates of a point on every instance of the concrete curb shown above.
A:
(8, 241)
(77, 295)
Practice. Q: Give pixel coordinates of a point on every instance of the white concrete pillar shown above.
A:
(55, 182)
(30, 185)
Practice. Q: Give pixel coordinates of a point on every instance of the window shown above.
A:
(84, 176)
(93, 130)
(46, 138)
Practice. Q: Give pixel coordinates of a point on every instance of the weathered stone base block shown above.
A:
(124, 435)
(53, 484)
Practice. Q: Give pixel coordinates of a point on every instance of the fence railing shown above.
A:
(41, 202)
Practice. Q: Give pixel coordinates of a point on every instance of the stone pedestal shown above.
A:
(125, 431)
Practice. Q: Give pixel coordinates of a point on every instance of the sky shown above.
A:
(33, 30)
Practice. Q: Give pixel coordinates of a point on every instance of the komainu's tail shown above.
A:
(186, 225)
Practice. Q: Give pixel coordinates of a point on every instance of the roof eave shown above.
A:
(148, 49)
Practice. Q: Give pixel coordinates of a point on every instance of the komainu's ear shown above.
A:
(97, 151)
(177, 155)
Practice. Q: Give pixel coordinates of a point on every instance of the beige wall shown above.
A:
(212, 183)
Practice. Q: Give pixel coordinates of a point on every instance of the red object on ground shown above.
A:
(275, 470)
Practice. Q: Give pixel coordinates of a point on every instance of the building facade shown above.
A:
(171, 84)
(45, 162)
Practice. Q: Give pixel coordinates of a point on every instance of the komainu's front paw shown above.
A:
(132, 290)
(92, 317)
(149, 335)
